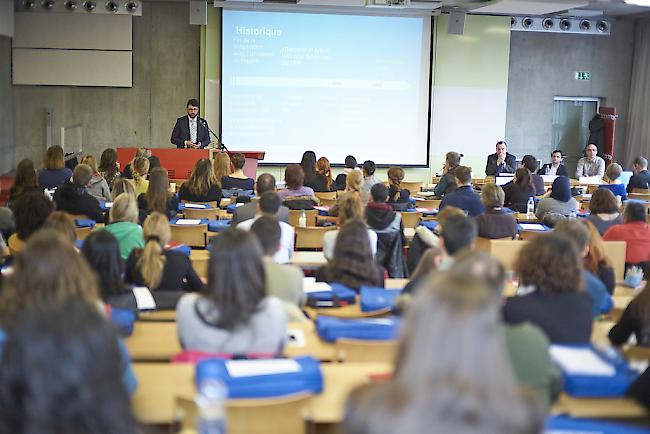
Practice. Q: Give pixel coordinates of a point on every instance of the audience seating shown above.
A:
(200, 260)
(82, 233)
(428, 203)
(506, 251)
(357, 350)
(411, 219)
(311, 237)
(153, 341)
(485, 244)
(212, 203)
(325, 195)
(412, 186)
(191, 235)
(209, 213)
(294, 216)
(328, 202)
(615, 251)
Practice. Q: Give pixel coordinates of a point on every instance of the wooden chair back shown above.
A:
(411, 219)
(428, 203)
(328, 202)
(640, 191)
(412, 186)
(530, 235)
(325, 195)
(639, 196)
(82, 233)
(294, 216)
(506, 251)
(200, 260)
(208, 213)
(363, 351)
(212, 203)
(153, 341)
(485, 244)
(192, 235)
(615, 251)
(311, 237)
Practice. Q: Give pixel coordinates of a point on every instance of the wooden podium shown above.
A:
(180, 162)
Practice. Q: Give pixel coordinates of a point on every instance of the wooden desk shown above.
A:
(523, 218)
(153, 341)
(308, 260)
(159, 384)
(304, 341)
(600, 331)
(599, 408)
(158, 315)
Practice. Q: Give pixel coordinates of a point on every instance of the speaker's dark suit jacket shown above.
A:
(561, 170)
(181, 133)
(509, 166)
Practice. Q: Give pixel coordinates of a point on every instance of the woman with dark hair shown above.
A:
(30, 212)
(447, 183)
(233, 314)
(158, 198)
(60, 373)
(109, 168)
(102, 251)
(519, 190)
(556, 302)
(54, 172)
(202, 185)
(397, 194)
(634, 321)
(24, 181)
(352, 263)
(604, 210)
(495, 222)
(294, 177)
(530, 163)
(237, 179)
(447, 391)
(350, 165)
(559, 201)
(308, 164)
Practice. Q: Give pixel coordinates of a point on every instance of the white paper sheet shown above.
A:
(590, 180)
(309, 285)
(195, 205)
(549, 178)
(425, 194)
(532, 226)
(188, 222)
(108, 204)
(250, 368)
(295, 338)
(143, 298)
(581, 361)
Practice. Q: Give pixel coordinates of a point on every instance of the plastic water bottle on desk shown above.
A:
(210, 402)
(530, 208)
(302, 220)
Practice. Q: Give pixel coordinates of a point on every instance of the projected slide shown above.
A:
(334, 84)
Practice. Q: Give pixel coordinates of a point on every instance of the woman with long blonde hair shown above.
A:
(140, 170)
(202, 185)
(222, 166)
(350, 207)
(158, 198)
(54, 172)
(157, 268)
(124, 224)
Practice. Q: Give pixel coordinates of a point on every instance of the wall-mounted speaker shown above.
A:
(457, 23)
(199, 13)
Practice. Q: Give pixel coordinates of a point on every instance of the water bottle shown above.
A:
(210, 403)
(530, 208)
(548, 170)
(302, 221)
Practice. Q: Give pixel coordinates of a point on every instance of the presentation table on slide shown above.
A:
(334, 84)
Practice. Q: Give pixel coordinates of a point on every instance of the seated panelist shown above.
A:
(501, 161)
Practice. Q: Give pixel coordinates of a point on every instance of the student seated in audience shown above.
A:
(457, 233)
(167, 273)
(124, 224)
(557, 302)
(295, 190)
(109, 168)
(641, 177)
(555, 167)
(604, 210)
(202, 185)
(98, 186)
(140, 172)
(221, 165)
(323, 179)
(612, 175)
(308, 164)
(62, 223)
(30, 212)
(495, 222)
(352, 263)
(128, 169)
(122, 185)
(350, 208)
(596, 261)
(54, 172)
(283, 281)
(350, 165)
(369, 179)
(48, 273)
(265, 182)
(269, 205)
(578, 234)
(635, 231)
(519, 190)
(237, 179)
(634, 321)
(449, 389)
(233, 314)
(154, 162)
(464, 197)
(102, 252)
(397, 194)
(428, 264)
(530, 162)
(158, 198)
(559, 203)
(353, 184)
(379, 215)
(501, 161)
(60, 373)
(591, 164)
(73, 197)
(447, 183)
(24, 181)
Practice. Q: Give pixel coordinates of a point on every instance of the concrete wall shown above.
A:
(6, 108)
(542, 65)
(165, 76)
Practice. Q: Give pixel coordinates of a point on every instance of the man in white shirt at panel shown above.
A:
(269, 204)
(591, 164)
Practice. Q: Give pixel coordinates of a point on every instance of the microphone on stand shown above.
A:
(220, 145)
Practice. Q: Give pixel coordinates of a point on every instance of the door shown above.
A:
(571, 116)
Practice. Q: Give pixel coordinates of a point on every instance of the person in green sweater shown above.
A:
(527, 345)
(124, 226)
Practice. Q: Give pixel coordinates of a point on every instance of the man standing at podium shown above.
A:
(191, 131)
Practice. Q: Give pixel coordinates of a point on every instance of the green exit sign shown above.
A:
(583, 75)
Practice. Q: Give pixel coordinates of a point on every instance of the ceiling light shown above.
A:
(602, 26)
(645, 3)
(71, 5)
(89, 5)
(112, 6)
(131, 6)
(565, 24)
(513, 21)
(585, 25)
(527, 23)
(48, 4)
(28, 4)
(547, 23)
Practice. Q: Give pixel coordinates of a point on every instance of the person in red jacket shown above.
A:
(635, 231)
